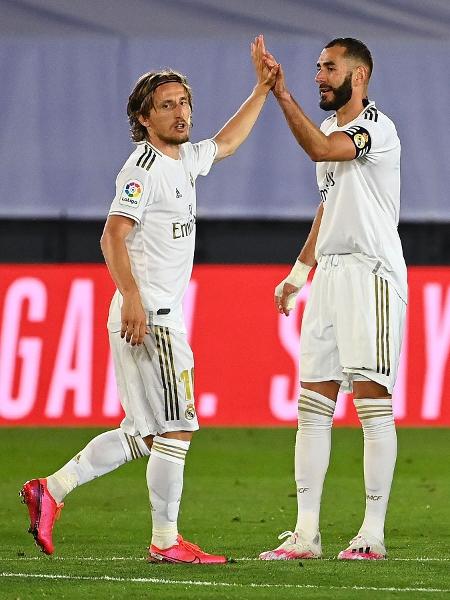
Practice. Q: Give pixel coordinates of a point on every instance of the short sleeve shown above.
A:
(132, 194)
(203, 155)
(368, 137)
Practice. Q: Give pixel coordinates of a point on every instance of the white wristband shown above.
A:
(299, 274)
(297, 277)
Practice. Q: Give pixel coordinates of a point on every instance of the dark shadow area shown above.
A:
(233, 242)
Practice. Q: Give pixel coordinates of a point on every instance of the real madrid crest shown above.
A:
(189, 413)
(360, 139)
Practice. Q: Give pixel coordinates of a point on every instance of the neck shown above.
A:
(349, 111)
(170, 150)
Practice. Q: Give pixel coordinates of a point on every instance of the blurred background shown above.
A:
(67, 68)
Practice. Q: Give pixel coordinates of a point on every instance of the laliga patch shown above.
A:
(131, 193)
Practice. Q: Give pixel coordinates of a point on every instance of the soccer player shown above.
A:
(148, 244)
(353, 323)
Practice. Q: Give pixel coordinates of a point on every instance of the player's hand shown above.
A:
(280, 83)
(266, 75)
(285, 296)
(134, 320)
(286, 291)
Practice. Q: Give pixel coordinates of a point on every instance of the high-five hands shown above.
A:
(262, 58)
(266, 71)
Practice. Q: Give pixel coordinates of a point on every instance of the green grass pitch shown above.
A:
(239, 495)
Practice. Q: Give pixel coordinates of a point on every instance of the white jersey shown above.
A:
(158, 192)
(361, 197)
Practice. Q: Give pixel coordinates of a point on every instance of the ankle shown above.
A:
(166, 537)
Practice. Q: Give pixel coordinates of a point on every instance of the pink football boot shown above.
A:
(295, 547)
(363, 547)
(44, 511)
(184, 552)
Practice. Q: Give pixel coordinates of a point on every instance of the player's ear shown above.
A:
(360, 75)
(145, 121)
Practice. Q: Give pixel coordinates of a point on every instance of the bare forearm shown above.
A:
(308, 135)
(307, 253)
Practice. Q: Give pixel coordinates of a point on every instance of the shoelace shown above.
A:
(359, 539)
(190, 546)
(285, 534)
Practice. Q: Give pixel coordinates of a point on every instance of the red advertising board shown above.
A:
(55, 366)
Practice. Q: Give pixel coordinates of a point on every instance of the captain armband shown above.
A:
(361, 140)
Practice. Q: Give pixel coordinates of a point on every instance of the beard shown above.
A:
(175, 141)
(341, 95)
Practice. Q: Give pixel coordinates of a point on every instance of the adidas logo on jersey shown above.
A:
(178, 194)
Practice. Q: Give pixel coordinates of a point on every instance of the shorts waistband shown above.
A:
(327, 261)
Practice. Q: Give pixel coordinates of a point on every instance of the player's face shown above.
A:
(334, 78)
(169, 120)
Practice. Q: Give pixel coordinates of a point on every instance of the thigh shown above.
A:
(169, 383)
(330, 389)
(139, 419)
(319, 357)
(369, 324)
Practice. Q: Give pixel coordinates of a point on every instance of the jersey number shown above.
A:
(187, 377)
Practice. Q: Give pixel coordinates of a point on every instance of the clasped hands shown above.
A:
(269, 72)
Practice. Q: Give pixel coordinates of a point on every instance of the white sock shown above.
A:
(103, 454)
(380, 453)
(312, 455)
(165, 484)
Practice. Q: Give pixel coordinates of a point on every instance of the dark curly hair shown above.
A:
(140, 101)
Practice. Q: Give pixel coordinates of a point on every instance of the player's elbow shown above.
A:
(320, 152)
(105, 242)
(229, 152)
(318, 155)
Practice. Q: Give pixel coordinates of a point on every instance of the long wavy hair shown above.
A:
(140, 101)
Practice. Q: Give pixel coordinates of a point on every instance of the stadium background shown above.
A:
(67, 68)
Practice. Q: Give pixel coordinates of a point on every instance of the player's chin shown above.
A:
(180, 138)
(326, 104)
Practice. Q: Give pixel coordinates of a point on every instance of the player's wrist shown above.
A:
(282, 95)
(299, 274)
(261, 89)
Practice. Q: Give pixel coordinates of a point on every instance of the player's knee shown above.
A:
(369, 389)
(148, 441)
(184, 436)
(315, 411)
(376, 416)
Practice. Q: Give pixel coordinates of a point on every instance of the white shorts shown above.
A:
(155, 382)
(352, 326)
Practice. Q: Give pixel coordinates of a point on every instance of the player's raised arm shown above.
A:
(336, 147)
(237, 129)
